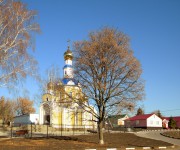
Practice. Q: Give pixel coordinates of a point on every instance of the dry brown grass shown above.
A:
(172, 134)
(118, 140)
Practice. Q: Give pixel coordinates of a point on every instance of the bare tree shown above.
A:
(24, 106)
(109, 73)
(17, 28)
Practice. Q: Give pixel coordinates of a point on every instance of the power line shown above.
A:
(170, 110)
(166, 110)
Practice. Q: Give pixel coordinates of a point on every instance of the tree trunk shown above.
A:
(100, 129)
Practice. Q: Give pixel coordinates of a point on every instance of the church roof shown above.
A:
(69, 81)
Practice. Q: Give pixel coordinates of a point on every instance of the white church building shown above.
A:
(63, 103)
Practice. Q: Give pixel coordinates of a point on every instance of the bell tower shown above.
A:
(68, 69)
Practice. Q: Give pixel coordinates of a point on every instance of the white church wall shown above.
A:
(41, 115)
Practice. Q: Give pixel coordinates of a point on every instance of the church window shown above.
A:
(60, 95)
(47, 98)
(79, 118)
(70, 94)
(72, 116)
(77, 95)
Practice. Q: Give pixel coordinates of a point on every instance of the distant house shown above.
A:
(166, 120)
(116, 120)
(26, 119)
(144, 121)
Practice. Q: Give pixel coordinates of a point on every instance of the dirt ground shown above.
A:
(81, 142)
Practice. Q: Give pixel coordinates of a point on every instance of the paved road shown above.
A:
(157, 136)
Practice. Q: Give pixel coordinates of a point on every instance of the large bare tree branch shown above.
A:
(17, 28)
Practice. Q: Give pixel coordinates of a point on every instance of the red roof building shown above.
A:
(144, 121)
(177, 119)
(166, 120)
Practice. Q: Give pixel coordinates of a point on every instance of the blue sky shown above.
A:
(152, 25)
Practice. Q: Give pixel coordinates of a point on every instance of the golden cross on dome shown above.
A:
(68, 43)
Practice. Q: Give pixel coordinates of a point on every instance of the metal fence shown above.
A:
(33, 130)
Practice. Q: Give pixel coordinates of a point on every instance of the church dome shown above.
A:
(50, 85)
(59, 82)
(68, 54)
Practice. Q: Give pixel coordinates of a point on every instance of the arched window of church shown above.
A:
(70, 94)
(78, 95)
(47, 98)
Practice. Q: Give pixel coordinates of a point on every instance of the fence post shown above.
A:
(64, 129)
(47, 130)
(31, 129)
(11, 124)
(73, 129)
(84, 129)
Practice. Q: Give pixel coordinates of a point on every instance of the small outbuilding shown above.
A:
(166, 121)
(26, 119)
(116, 120)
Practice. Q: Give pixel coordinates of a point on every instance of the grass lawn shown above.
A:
(172, 134)
(115, 140)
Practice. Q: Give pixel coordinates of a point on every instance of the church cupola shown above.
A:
(68, 69)
(68, 55)
(50, 87)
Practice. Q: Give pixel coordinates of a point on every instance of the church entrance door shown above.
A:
(47, 118)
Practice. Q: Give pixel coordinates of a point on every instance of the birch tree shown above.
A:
(17, 29)
(109, 73)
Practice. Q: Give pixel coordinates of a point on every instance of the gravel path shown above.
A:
(156, 135)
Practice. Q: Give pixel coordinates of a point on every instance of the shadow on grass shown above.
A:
(56, 137)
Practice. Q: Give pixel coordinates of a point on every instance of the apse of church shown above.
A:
(62, 104)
